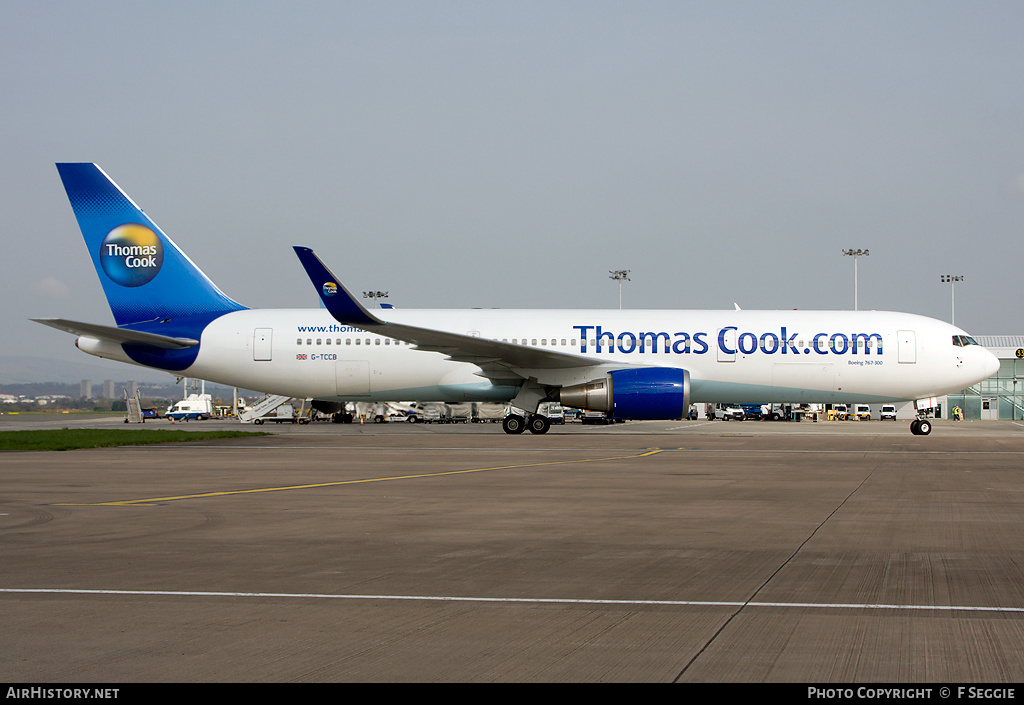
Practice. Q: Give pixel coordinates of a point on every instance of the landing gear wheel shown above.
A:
(920, 427)
(539, 424)
(513, 423)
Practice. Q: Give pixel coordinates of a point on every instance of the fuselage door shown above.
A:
(352, 377)
(261, 344)
(907, 346)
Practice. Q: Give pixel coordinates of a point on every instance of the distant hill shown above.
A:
(146, 390)
(23, 374)
(26, 369)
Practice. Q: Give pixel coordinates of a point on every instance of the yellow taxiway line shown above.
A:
(226, 493)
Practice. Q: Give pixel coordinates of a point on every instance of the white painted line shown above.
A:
(518, 600)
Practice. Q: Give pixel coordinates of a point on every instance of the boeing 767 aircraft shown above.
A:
(646, 364)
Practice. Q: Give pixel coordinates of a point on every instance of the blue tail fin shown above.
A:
(146, 278)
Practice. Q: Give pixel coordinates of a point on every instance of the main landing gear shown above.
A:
(537, 423)
(920, 427)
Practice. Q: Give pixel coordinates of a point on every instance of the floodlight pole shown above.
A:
(376, 296)
(855, 254)
(952, 279)
(619, 275)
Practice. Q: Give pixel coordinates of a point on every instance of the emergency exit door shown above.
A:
(727, 344)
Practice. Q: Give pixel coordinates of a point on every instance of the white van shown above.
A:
(838, 412)
(553, 410)
(196, 406)
(726, 412)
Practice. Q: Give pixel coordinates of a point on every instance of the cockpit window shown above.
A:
(962, 341)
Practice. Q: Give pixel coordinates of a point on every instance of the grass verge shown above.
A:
(76, 438)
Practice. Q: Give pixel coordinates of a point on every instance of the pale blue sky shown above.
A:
(722, 151)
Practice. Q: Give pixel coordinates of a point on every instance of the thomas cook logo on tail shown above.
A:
(330, 289)
(131, 254)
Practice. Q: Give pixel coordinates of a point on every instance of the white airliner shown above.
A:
(648, 364)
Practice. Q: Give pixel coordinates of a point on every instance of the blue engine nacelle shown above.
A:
(635, 393)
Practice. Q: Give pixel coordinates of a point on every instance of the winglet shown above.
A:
(336, 298)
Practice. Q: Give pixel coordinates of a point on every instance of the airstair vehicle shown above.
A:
(262, 407)
(134, 406)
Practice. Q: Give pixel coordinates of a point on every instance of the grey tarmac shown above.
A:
(685, 551)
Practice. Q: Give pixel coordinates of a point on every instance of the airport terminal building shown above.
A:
(1000, 396)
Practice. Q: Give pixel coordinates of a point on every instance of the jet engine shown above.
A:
(635, 393)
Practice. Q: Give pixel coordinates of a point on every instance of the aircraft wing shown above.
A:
(492, 356)
(118, 335)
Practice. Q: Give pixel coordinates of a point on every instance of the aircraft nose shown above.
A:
(990, 363)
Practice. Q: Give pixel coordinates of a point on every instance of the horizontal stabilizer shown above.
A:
(118, 335)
